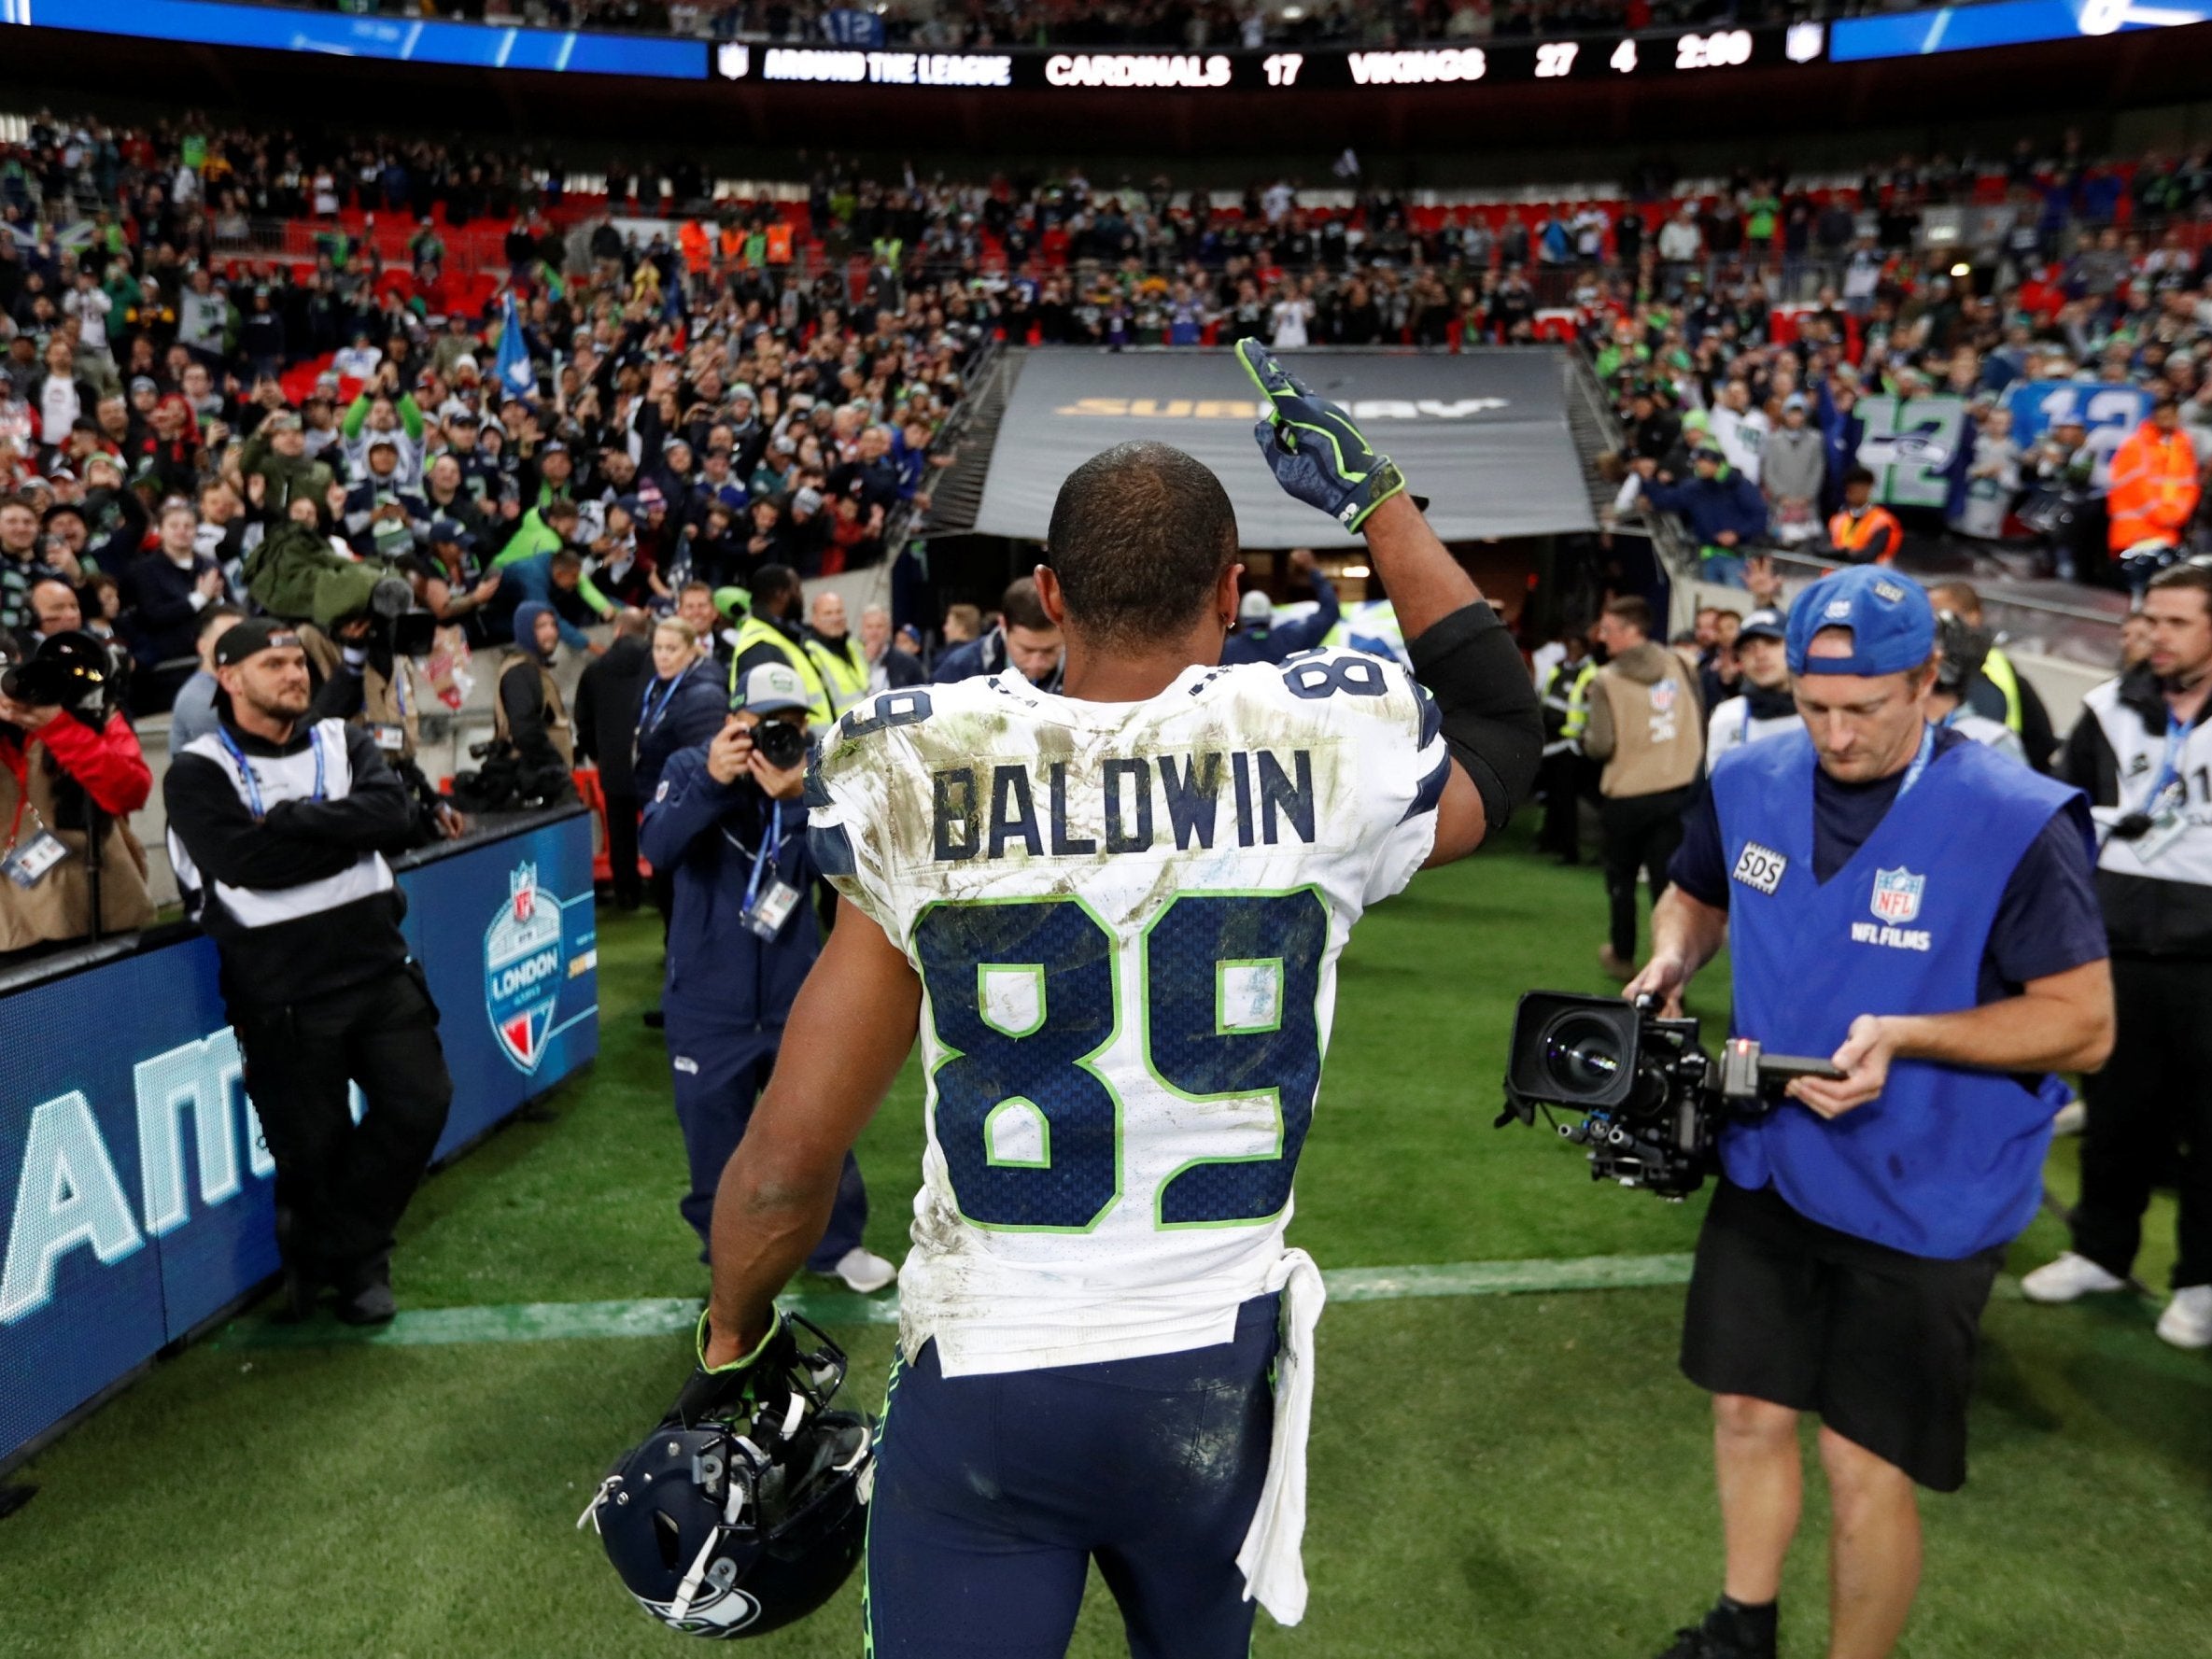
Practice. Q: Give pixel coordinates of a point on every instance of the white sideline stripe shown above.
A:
(560, 1321)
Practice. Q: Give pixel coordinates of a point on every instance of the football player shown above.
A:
(1114, 914)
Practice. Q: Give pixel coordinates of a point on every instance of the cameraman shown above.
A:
(727, 819)
(1920, 910)
(65, 750)
(277, 828)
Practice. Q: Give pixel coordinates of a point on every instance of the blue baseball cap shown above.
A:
(1892, 624)
(1763, 624)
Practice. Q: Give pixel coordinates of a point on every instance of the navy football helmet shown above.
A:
(737, 1524)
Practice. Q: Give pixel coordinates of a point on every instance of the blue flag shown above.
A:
(515, 376)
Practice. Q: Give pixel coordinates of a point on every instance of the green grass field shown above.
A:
(1492, 1475)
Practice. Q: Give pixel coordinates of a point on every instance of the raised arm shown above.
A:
(1460, 649)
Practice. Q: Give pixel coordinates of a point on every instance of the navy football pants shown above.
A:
(719, 1070)
(994, 1494)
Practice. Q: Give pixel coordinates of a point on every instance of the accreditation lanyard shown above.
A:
(2169, 768)
(1920, 761)
(651, 714)
(764, 856)
(253, 785)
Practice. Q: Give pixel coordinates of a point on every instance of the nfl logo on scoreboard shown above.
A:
(1896, 896)
(733, 59)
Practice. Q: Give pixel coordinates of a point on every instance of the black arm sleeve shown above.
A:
(1492, 723)
(375, 815)
(226, 843)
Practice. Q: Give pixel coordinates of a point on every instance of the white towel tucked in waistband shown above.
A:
(1273, 1568)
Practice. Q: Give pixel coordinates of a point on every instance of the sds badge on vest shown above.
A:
(1760, 868)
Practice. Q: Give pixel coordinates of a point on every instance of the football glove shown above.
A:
(1317, 454)
(733, 1393)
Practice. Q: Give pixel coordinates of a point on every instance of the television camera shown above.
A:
(1650, 1102)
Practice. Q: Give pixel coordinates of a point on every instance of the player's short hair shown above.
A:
(1140, 535)
(1633, 610)
(2194, 578)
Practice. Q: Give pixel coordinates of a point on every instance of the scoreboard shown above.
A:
(1693, 51)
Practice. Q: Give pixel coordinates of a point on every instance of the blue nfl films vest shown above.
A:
(1947, 1162)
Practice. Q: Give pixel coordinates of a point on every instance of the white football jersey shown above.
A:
(1126, 918)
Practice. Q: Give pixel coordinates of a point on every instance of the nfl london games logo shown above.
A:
(523, 968)
(1896, 896)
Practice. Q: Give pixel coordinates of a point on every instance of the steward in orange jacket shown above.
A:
(1864, 532)
(697, 253)
(2154, 482)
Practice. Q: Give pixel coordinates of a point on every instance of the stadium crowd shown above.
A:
(212, 353)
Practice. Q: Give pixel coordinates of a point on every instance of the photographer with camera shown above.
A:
(278, 824)
(727, 821)
(1920, 910)
(71, 774)
(2142, 750)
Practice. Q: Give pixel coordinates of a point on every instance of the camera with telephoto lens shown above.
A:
(779, 743)
(1651, 1102)
(74, 671)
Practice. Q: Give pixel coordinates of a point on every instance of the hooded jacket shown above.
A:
(1647, 724)
(530, 713)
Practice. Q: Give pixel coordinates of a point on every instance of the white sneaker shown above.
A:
(2187, 1323)
(2073, 1118)
(2068, 1277)
(864, 1272)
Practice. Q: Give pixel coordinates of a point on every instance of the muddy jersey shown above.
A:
(1126, 918)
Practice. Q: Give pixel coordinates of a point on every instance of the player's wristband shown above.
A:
(1378, 486)
(775, 1326)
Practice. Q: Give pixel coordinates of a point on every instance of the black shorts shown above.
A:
(1879, 1342)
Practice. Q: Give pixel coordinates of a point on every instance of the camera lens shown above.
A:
(1582, 1055)
(781, 744)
